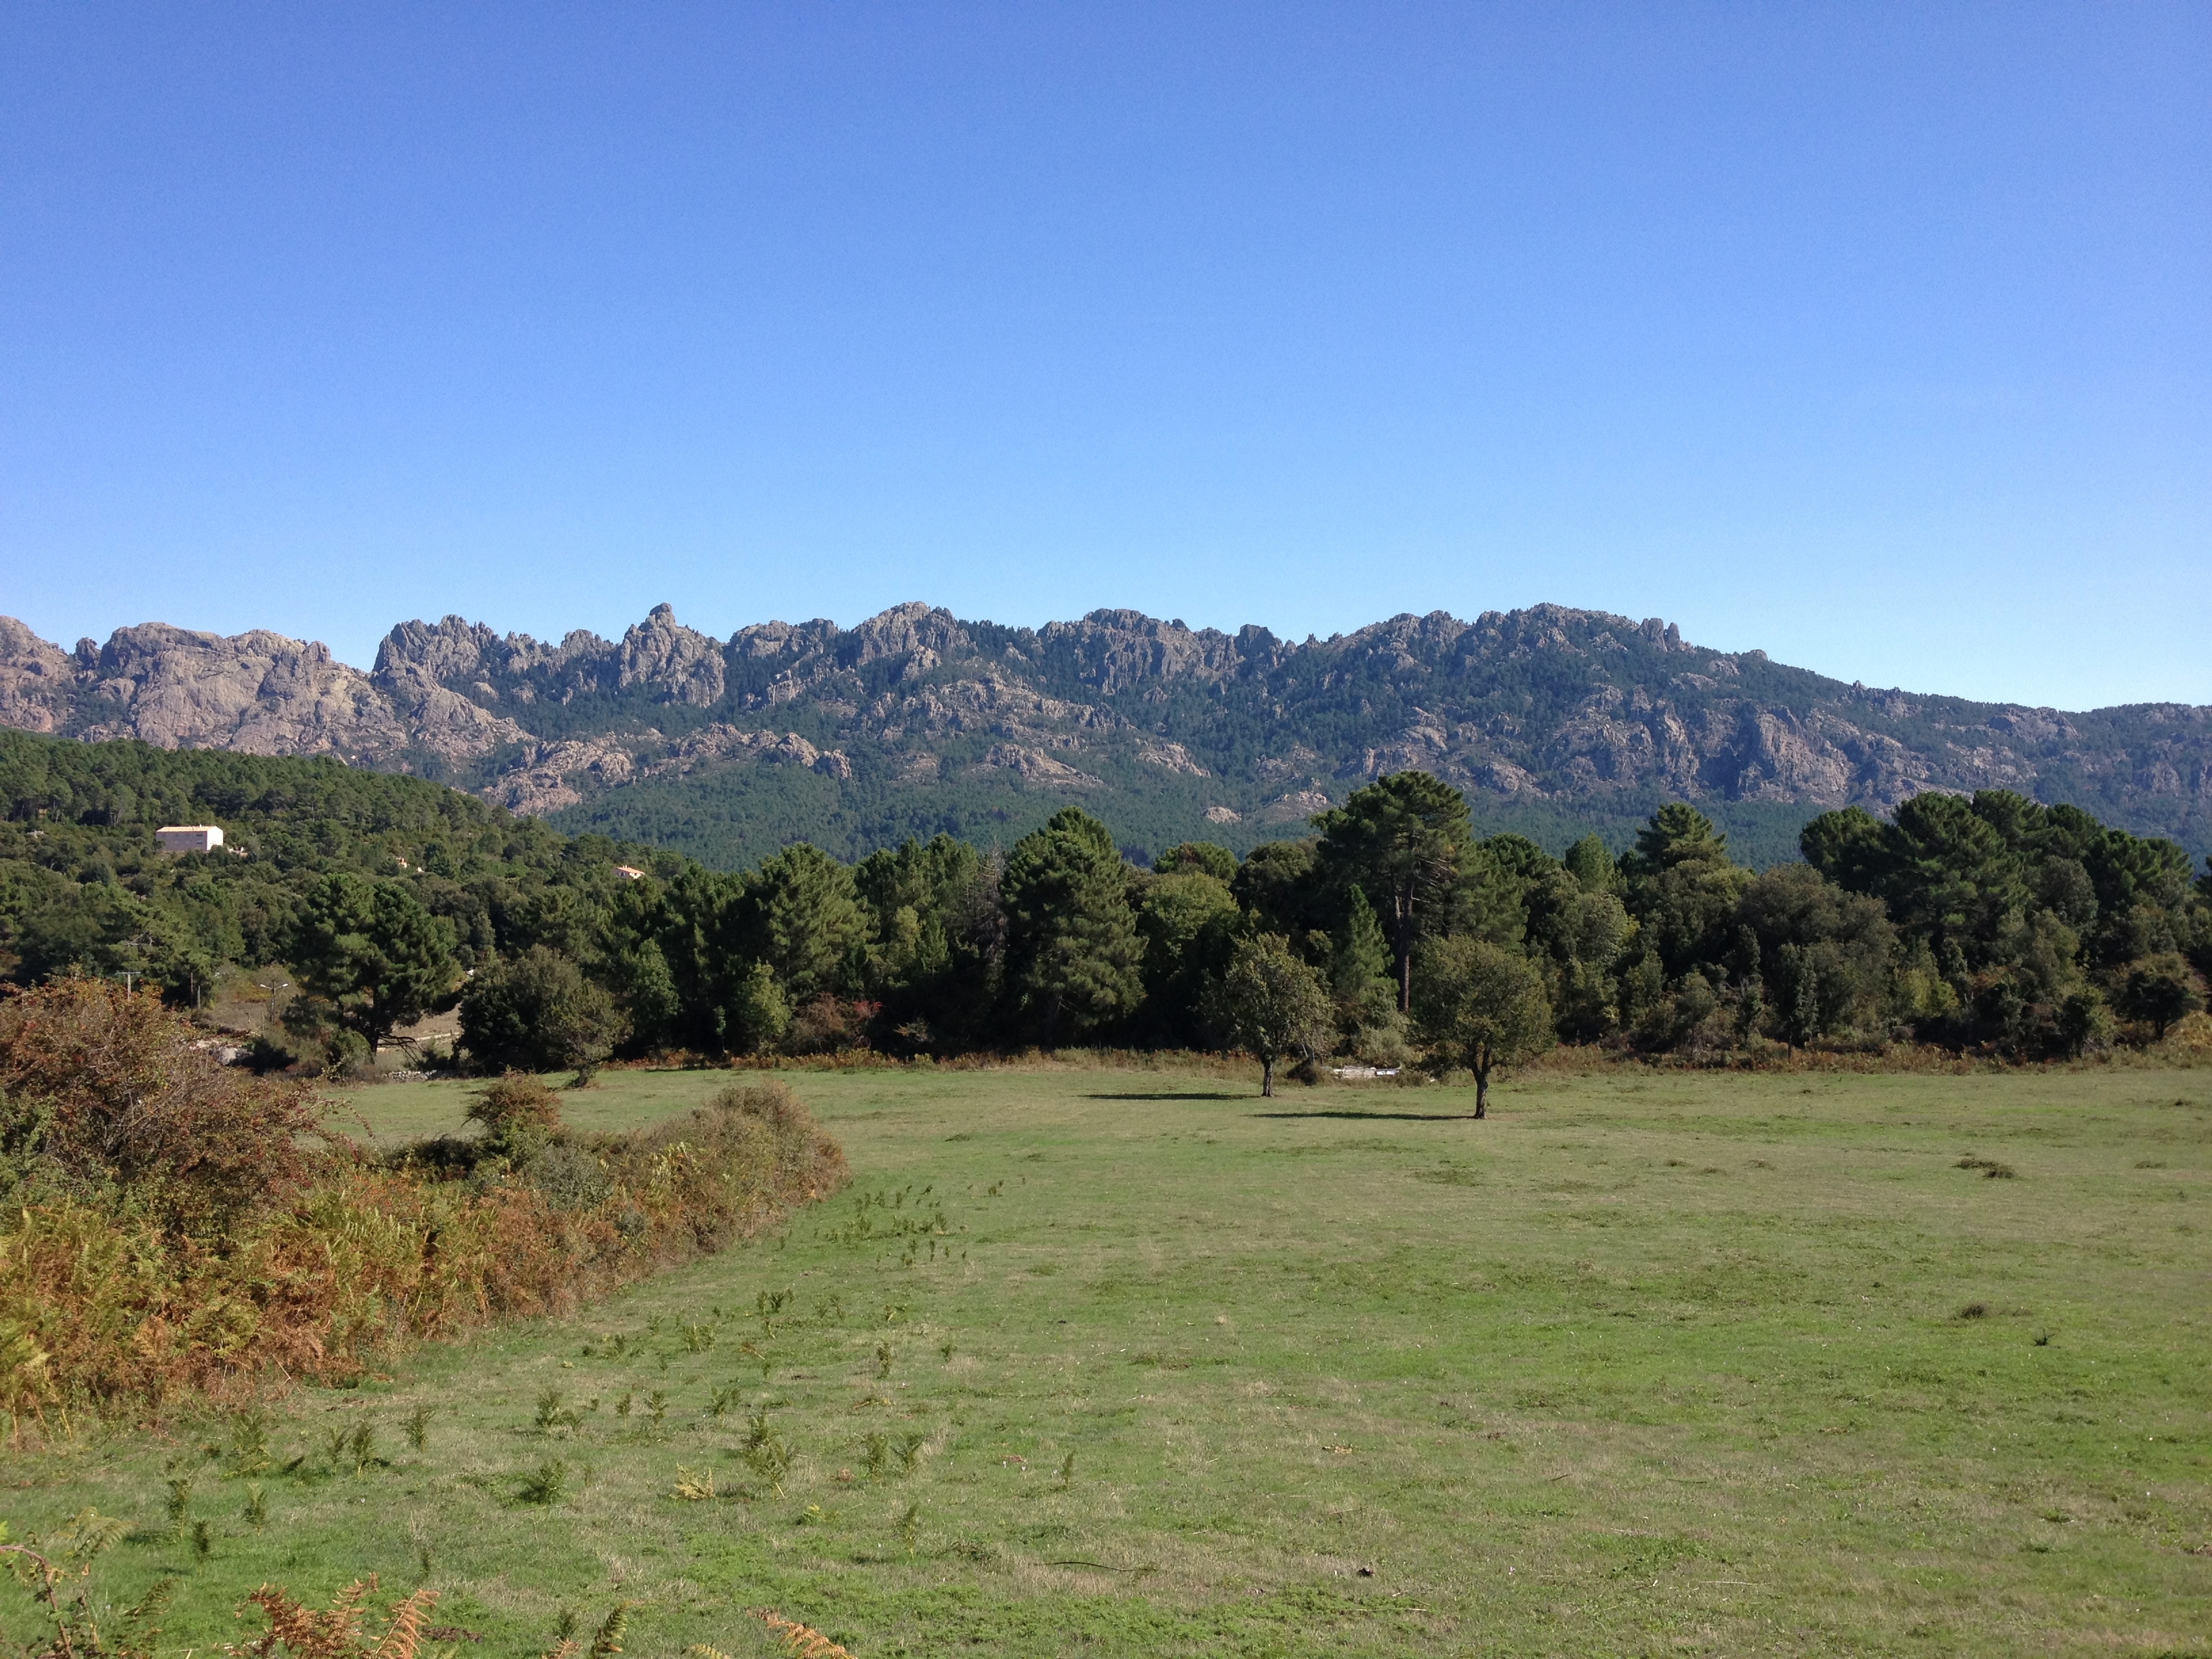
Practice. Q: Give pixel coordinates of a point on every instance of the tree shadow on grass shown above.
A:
(1180, 1094)
(1378, 1117)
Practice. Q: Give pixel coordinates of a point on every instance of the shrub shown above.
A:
(105, 1304)
(830, 1025)
(538, 1012)
(519, 1116)
(104, 1095)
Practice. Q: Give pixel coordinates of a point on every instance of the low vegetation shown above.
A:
(1126, 1362)
(171, 1225)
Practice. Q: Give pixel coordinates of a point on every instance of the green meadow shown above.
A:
(1134, 1362)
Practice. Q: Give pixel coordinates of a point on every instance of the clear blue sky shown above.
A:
(1877, 335)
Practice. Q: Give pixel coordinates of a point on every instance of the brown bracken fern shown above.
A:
(800, 1641)
(306, 1634)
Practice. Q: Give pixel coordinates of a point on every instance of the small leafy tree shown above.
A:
(2159, 990)
(2084, 1024)
(538, 1012)
(1482, 1005)
(1273, 1004)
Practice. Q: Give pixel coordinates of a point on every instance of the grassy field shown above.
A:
(1110, 1361)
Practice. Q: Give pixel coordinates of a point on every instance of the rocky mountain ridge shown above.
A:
(916, 717)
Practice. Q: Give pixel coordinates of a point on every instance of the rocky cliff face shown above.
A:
(1578, 711)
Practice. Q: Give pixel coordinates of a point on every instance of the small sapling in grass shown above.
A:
(657, 1403)
(771, 1461)
(909, 1451)
(423, 1564)
(416, 1428)
(697, 1339)
(622, 1405)
(909, 1524)
(178, 1501)
(726, 1398)
(203, 1539)
(884, 1356)
(945, 1352)
(693, 1485)
(1067, 1472)
(544, 1484)
(553, 1412)
(1975, 1310)
(875, 1454)
(353, 1449)
(249, 1442)
(257, 1508)
(564, 1626)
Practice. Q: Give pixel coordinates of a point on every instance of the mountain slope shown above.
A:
(1553, 720)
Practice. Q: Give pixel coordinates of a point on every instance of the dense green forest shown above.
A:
(730, 817)
(1391, 931)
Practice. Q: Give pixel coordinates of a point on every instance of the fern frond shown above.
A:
(801, 1641)
(607, 1641)
(403, 1633)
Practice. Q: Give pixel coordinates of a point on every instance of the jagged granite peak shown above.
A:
(38, 680)
(1580, 712)
(662, 653)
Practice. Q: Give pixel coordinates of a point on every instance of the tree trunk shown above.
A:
(1403, 941)
(1267, 1077)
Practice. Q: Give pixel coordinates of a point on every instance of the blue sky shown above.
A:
(1879, 336)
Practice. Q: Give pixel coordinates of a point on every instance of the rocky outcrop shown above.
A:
(1035, 766)
(1576, 708)
(38, 681)
(259, 693)
(667, 658)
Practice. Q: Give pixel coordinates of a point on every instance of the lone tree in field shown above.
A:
(1401, 838)
(1274, 1004)
(1484, 1006)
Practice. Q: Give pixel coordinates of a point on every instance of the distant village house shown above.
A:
(188, 837)
(629, 873)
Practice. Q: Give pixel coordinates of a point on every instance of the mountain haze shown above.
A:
(1554, 721)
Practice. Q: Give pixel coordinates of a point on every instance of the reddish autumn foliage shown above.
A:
(173, 1227)
(108, 1091)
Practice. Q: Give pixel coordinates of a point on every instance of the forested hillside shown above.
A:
(1386, 930)
(1552, 722)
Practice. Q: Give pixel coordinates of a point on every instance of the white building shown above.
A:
(189, 837)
